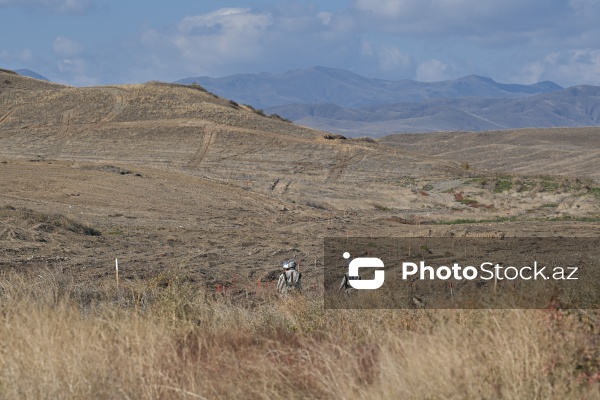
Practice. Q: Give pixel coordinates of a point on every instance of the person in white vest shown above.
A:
(290, 279)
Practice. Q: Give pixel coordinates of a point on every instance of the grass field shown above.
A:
(69, 340)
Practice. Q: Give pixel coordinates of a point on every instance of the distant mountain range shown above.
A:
(318, 85)
(343, 102)
(575, 106)
(31, 74)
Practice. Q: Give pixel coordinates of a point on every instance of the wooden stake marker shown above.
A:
(117, 271)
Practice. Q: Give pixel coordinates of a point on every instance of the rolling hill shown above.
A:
(175, 177)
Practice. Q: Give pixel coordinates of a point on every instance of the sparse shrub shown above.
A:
(469, 202)
(196, 86)
(334, 136)
(381, 208)
(279, 117)
(549, 184)
(53, 220)
(550, 205)
(8, 71)
(594, 191)
(502, 184)
(315, 204)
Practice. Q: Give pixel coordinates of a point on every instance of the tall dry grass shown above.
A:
(62, 339)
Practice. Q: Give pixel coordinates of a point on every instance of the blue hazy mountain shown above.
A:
(341, 101)
(319, 85)
(31, 74)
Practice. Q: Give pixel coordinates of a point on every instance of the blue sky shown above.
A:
(88, 42)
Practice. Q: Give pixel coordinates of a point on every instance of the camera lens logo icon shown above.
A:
(365, 262)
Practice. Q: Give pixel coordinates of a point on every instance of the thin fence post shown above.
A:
(117, 271)
(315, 286)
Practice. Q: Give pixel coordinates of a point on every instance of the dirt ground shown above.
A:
(172, 180)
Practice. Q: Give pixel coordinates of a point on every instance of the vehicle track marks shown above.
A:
(65, 124)
(207, 140)
(5, 116)
(118, 106)
(342, 161)
(280, 187)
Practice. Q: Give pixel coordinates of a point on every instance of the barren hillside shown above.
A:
(175, 178)
(569, 152)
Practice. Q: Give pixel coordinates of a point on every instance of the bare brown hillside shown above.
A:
(573, 152)
(177, 179)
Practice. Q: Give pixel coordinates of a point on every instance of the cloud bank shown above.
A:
(509, 40)
(52, 6)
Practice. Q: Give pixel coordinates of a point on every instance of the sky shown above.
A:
(92, 42)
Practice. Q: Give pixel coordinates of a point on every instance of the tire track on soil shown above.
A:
(207, 141)
(5, 116)
(342, 161)
(120, 103)
(65, 124)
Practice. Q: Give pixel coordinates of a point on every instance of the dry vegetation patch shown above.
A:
(67, 340)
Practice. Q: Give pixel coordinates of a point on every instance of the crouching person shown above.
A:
(290, 279)
(346, 286)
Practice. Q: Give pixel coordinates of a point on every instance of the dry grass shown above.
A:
(65, 340)
(214, 184)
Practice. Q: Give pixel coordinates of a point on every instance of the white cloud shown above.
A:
(55, 6)
(388, 58)
(578, 66)
(325, 17)
(431, 71)
(226, 35)
(79, 70)
(231, 40)
(23, 56)
(391, 9)
(581, 7)
(391, 58)
(571, 67)
(64, 46)
(501, 21)
(526, 40)
(533, 72)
